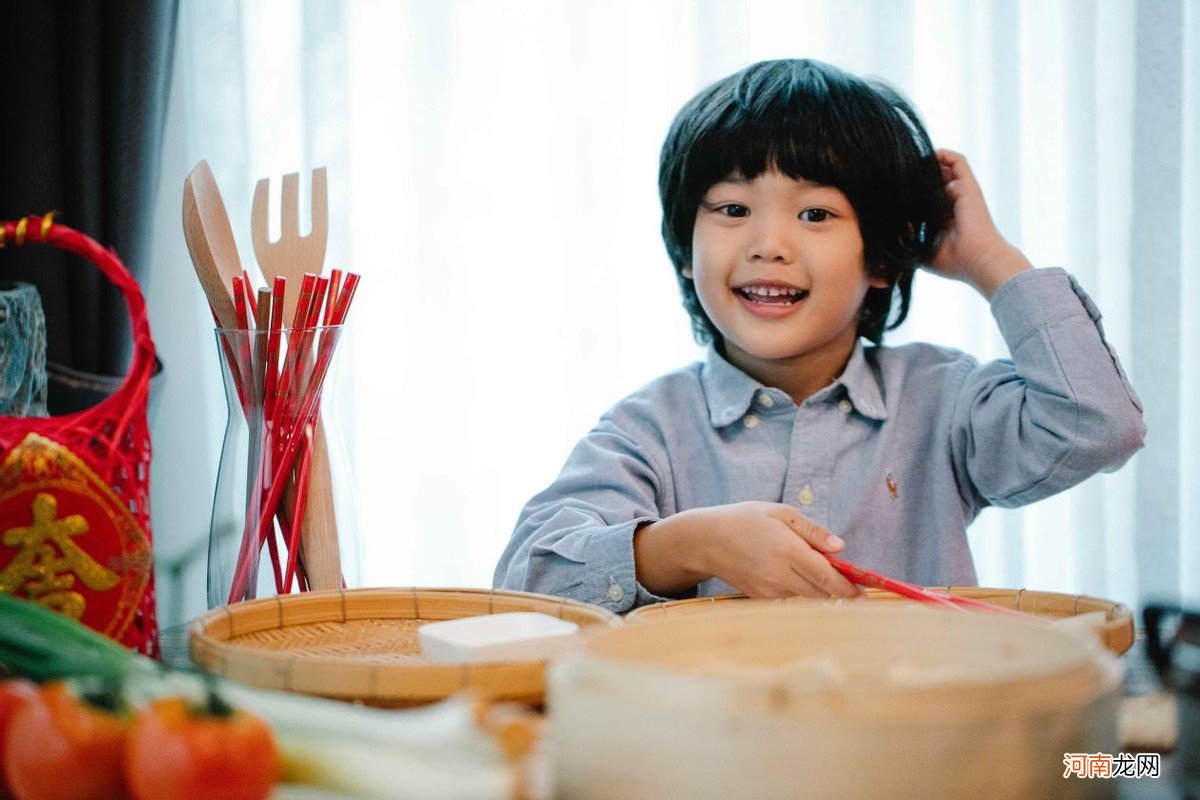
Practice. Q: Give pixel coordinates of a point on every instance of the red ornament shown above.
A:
(75, 490)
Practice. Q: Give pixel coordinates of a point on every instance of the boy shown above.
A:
(798, 201)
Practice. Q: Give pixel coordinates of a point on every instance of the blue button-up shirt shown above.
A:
(897, 456)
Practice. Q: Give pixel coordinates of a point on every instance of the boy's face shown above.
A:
(779, 269)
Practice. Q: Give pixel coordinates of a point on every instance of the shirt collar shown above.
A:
(862, 385)
(729, 391)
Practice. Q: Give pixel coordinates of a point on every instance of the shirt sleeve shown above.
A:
(1058, 412)
(575, 539)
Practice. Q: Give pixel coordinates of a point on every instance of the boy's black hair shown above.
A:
(810, 120)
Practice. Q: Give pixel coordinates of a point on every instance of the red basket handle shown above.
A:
(44, 230)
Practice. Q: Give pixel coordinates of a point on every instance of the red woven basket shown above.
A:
(75, 489)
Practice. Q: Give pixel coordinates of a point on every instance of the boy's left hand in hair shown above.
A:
(970, 248)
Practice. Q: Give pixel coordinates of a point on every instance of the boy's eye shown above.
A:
(733, 210)
(814, 215)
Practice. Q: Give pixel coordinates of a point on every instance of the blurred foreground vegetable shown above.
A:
(434, 752)
(63, 745)
(14, 693)
(179, 750)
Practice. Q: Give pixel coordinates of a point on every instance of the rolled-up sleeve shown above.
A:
(1059, 411)
(575, 539)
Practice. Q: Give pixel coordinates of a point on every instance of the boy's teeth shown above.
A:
(770, 291)
(768, 294)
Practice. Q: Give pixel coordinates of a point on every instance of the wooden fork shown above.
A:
(292, 256)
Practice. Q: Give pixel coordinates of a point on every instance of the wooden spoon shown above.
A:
(210, 242)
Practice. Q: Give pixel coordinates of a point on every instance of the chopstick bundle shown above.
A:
(279, 383)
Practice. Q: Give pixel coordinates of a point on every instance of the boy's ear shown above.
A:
(686, 272)
(877, 278)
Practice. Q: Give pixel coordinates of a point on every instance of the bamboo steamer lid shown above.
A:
(1115, 631)
(791, 700)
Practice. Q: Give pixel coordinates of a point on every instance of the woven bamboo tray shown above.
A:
(1116, 633)
(362, 644)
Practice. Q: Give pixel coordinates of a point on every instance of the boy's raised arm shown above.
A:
(1062, 409)
(1059, 412)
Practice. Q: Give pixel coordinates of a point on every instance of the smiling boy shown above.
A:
(798, 201)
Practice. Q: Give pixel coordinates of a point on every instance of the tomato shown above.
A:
(63, 748)
(178, 751)
(14, 693)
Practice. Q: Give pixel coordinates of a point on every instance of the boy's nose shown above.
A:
(771, 244)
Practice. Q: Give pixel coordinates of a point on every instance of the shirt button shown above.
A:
(806, 496)
(765, 400)
(844, 406)
(615, 593)
(750, 421)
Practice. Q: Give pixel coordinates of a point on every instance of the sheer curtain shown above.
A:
(492, 172)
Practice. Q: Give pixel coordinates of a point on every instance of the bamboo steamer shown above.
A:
(362, 644)
(767, 700)
(1115, 633)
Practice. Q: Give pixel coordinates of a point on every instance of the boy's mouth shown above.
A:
(775, 295)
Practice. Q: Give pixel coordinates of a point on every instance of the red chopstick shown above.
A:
(300, 316)
(244, 364)
(278, 290)
(262, 373)
(865, 577)
(248, 286)
(335, 285)
(302, 364)
(234, 367)
(293, 541)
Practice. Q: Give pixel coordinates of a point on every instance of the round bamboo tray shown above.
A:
(767, 700)
(1116, 633)
(362, 644)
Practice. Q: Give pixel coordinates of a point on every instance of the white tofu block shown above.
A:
(515, 636)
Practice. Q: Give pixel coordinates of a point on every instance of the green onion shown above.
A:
(39, 644)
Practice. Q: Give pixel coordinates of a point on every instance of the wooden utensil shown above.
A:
(210, 242)
(291, 256)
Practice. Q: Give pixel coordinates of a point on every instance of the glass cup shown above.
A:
(283, 512)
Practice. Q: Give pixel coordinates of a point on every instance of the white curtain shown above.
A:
(492, 170)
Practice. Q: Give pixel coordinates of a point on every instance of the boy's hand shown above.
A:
(766, 550)
(970, 248)
(770, 550)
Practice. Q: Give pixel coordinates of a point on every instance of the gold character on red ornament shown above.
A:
(47, 557)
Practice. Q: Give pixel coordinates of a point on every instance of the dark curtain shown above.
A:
(83, 98)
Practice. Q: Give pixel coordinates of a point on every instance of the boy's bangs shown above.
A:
(802, 118)
(798, 149)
